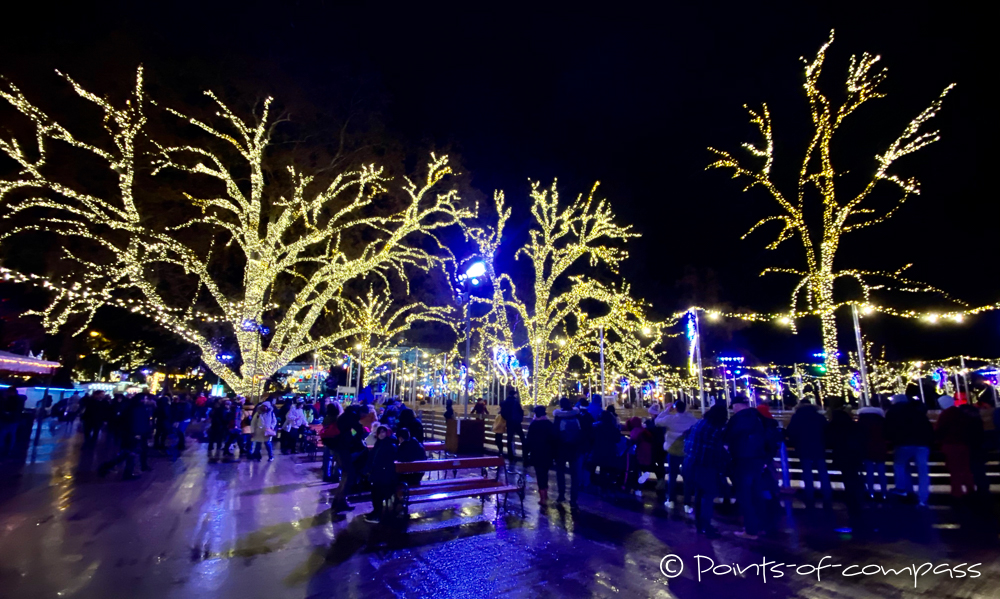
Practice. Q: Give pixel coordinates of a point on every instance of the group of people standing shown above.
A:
(734, 450)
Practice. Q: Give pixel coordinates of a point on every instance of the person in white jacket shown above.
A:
(677, 421)
(295, 424)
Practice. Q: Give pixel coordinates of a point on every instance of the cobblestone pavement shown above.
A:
(197, 527)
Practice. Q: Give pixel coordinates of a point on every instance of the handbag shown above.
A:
(499, 424)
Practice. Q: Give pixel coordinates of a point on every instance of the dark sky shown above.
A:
(631, 96)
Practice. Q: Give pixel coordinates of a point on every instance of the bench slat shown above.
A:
(453, 464)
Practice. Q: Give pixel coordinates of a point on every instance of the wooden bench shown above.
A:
(456, 488)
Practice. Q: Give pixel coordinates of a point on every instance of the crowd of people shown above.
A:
(730, 451)
(734, 451)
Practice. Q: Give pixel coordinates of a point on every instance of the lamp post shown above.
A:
(473, 275)
(315, 374)
(865, 392)
(604, 400)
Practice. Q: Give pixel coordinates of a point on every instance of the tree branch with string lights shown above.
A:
(556, 315)
(296, 241)
(842, 211)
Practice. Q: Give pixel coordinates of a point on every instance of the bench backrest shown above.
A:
(452, 464)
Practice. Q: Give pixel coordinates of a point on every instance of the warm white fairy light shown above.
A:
(290, 237)
(558, 329)
(840, 216)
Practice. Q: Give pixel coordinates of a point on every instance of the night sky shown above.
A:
(628, 96)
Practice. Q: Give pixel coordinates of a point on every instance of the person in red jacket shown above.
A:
(953, 432)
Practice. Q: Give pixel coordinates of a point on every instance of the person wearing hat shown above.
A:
(910, 433)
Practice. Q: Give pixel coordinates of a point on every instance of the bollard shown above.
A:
(786, 479)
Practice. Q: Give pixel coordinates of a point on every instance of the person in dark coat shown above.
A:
(449, 411)
(705, 459)
(11, 408)
(605, 453)
(410, 450)
(956, 432)
(350, 446)
(136, 426)
(911, 434)
(180, 418)
(162, 422)
(539, 451)
(513, 415)
(871, 420)
(807, 434)
(219, 420)
(569, 431)
(409, 420)
(847, 444)
(382, 472)
(745, 439)
(95, 413)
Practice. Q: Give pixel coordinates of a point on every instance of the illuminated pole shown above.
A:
(534, 377)
(701, 377)
(604, 401)
(865, 396)
(468, 364)
(315, 375)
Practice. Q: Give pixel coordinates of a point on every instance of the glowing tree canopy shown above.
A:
(842, 211)
(375, 323)
(557, 314)
(295, 241)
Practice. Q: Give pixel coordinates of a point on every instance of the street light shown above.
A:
(473, 275)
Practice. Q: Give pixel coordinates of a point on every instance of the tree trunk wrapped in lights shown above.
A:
(297, 237)
(842, 212)
(557, 321)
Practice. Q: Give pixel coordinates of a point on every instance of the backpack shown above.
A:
(569, 430)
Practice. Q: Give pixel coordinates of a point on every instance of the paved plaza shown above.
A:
(195, 527)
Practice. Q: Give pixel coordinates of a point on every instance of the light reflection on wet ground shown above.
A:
(197, 528)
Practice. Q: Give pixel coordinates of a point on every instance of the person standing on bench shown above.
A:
(513, 414)
(570, 435)
(382, 472)
(539, 451)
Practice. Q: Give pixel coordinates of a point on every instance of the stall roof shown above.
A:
(25, 364)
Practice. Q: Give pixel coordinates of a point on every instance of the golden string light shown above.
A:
(289, 230)
(558, 328)
(842, 213)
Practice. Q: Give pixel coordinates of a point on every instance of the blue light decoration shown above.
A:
(691, 332)
(940, 377)
(471, 385)
(624, 384)
(501, 359)
(525, 373)
(224, 358)
(442, 378)
(990, 375)
(855, 382)
(647, 389)
(462, 372)
(731, 359)
(249, 325)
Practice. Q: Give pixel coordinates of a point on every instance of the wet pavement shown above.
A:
(195, 527)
